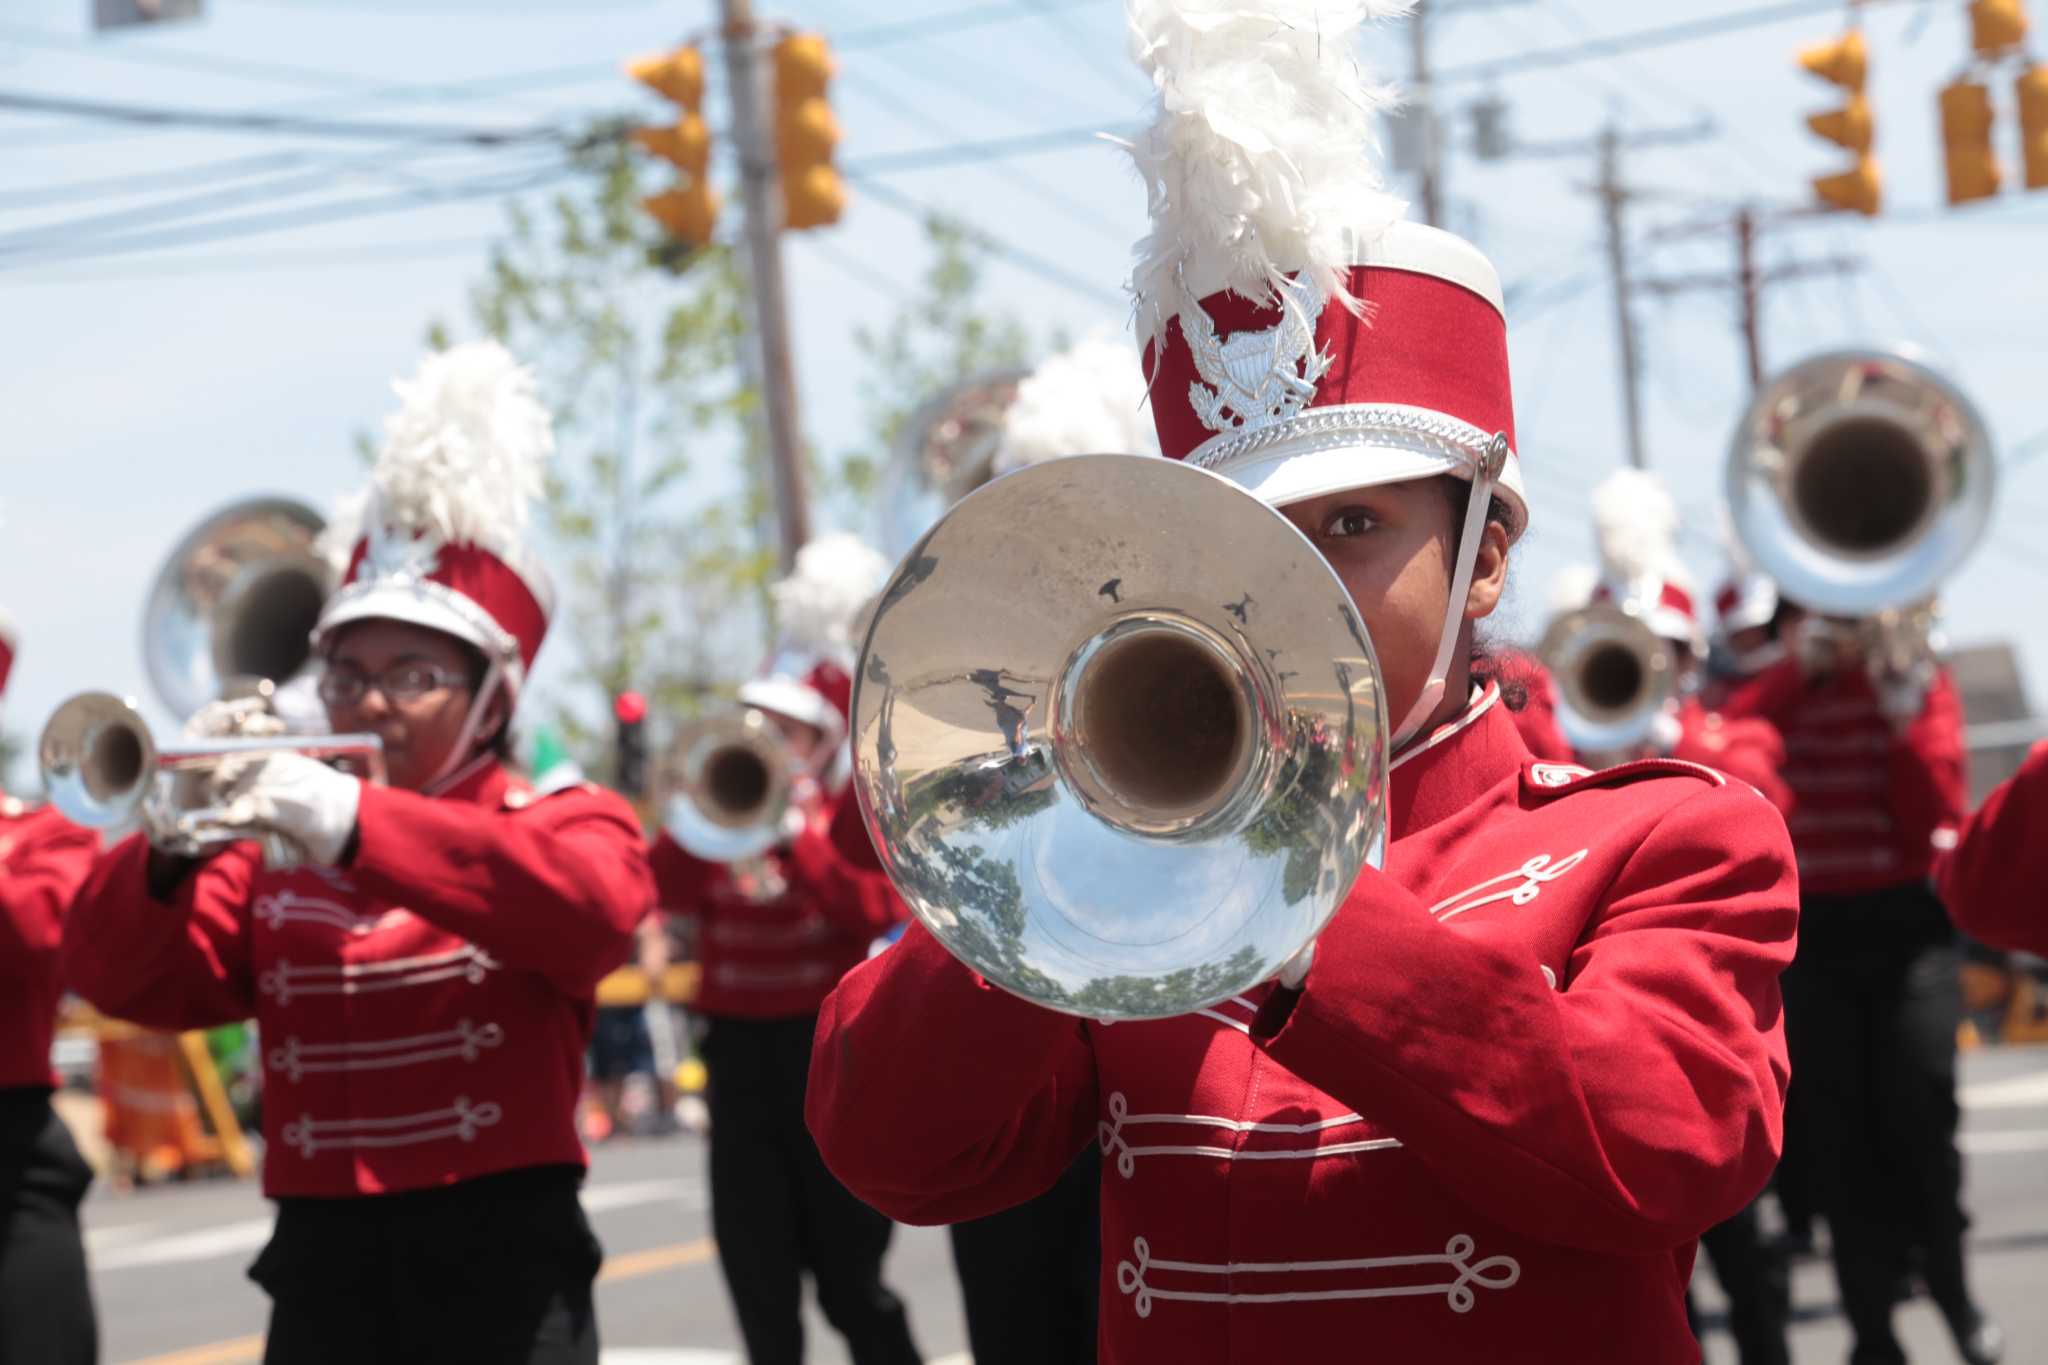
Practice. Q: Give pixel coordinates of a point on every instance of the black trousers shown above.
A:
(492, 1271)
(46, 1313)
(1030, 1275)
(1757, 1282)
(778, 1212)
(1871, 1009)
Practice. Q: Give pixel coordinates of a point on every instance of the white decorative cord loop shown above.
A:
(1495, 1272)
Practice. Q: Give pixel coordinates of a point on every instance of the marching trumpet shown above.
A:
(1614, 677)
(733, 782)
(102, 769)
(1114, 770)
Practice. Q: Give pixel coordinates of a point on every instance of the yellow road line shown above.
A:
(630, 1266)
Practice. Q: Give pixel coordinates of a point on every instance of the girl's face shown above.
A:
(1395, 547)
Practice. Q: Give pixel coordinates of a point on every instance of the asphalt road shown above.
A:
(168, 1262)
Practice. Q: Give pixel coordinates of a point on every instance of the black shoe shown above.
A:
(1980, 1340)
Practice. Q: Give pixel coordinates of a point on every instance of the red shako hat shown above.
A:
(441, 536)
(1299, 338)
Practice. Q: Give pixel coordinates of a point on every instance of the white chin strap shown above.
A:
(1483, 479)
(463, 752)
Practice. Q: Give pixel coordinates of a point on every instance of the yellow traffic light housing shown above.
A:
(1967, 120)
(676, 76)
(1860, 189)
(806, 133)
(688, 212)
(2032, 90)
(1997, 26)
(1845, 62)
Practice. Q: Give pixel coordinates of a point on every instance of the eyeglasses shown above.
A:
(399, 683)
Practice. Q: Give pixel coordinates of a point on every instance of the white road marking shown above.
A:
(131, 1247)
(203, 1245)
(2021, 1092)
(2004, 1144)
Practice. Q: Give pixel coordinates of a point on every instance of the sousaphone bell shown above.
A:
(1119, 737)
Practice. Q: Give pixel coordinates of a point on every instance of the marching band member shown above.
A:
(1636, 527)
(1636, 530)
(1991, 880)
(1526, 1064)
(1028, 1274)
(46, 1309)
(423, 977)
(1875, 761)
(774, 935)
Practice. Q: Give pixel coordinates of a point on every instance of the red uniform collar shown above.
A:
(482, 781)
(1458, 762)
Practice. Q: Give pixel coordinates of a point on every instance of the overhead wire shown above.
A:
(1031, 262)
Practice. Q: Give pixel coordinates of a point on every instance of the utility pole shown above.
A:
(758, 182)
(1750, 290)
(1750, 280)
(1432, 143)
(1613, 197)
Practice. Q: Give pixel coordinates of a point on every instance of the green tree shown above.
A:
(654, 499)
(660, 501)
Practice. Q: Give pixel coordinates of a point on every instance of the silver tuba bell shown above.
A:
(1119, 737)
(1614, 676)
(945, 450)
(730, 781)
(1859, 481)
(236, 603)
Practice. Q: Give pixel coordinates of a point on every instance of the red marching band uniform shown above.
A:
(45, 1299)
(775, 932)
(1535, 1056)
(425, 1002)
(1991, 881)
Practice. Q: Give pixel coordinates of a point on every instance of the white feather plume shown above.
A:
(835, 577)
(463, 457)
(1572, 587)
(336, 542)
(1635, 524)
(1088, 400)
(1256, 163)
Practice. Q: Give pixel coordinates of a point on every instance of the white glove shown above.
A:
(300, 799)
(241, 718)
(1295, 970)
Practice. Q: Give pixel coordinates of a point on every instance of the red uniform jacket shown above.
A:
(1995, 883)
(1871, 805)
(777, 956)
(1745, 747)
(1533, 1060)
(44, 859)
(423, 1011)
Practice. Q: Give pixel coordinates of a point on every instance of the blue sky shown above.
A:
(142, 390)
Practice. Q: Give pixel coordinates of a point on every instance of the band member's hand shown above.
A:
(1820, 648)
(1901, 695)
(301, 799)
(1665, 732)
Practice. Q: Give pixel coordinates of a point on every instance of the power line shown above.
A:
(1642, 40)
(253, 122)
(860, 271)
(952, 21)
(121, 186)
(1119, 74)
(1048, 270)
(994, 149)
(316, 216)
(379, 254)
(24, 35)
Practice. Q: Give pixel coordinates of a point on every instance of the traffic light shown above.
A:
(1845, 62)
(2032, 90)
(1997, 26)
(689, 211)
(630, 708)
(806, 133)
(1967, 120)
